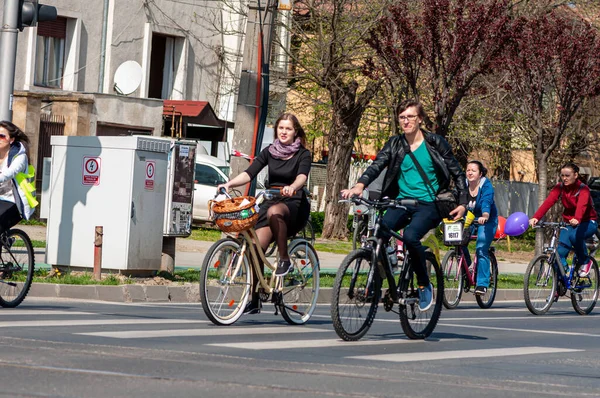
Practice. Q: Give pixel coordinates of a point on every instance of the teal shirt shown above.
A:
(411, 183)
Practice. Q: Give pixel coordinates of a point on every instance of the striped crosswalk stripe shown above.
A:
(94, 322)
(316, 343)
(236, 331)
(460, 354)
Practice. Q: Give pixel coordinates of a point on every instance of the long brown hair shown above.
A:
(297, 127)
(16, 133)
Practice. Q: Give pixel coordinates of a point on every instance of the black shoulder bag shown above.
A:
(446, 200)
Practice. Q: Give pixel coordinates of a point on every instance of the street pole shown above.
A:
(8, 57)
(259, 28)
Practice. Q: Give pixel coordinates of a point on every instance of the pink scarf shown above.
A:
(281, 151)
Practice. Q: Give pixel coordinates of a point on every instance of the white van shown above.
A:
(210, 172)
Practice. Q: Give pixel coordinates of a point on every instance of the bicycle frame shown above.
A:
(554, 259)
(462, 263)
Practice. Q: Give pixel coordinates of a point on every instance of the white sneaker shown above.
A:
(584, 270)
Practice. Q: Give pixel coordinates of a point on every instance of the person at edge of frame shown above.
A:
(404, 181)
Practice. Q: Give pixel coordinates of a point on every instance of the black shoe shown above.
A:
(284, 267)
(480, 290)
(252, 308)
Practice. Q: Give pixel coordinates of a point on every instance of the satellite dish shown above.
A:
(127, 77)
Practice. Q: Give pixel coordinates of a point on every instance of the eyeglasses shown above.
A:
(411, 118)
(3, 136)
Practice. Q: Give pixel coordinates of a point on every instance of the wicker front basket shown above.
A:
(231, 216)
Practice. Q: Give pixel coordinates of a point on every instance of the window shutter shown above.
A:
(56, 28)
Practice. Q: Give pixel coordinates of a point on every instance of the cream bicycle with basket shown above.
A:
(231, 264)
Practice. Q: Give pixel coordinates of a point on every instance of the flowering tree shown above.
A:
(553, 68)
(439, 47)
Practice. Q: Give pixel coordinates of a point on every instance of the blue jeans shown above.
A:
(574, 237)
(416, 221)
(485, 236)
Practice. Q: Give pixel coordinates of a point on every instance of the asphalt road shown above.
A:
(67, 348)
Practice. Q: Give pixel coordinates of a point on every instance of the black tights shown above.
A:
(278, 217)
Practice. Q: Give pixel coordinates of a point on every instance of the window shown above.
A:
(206, 175)
(50, 53)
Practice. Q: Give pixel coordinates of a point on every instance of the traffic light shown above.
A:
(31, 12)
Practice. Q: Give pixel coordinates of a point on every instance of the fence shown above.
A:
(510, 196)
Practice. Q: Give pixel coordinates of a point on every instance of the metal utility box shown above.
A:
(118, 183)
(180, 189)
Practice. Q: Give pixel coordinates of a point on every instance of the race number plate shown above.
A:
(453, 232)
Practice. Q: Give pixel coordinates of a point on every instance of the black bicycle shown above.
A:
(366, 271)
(16, 267)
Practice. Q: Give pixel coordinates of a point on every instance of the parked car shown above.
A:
(210, 172)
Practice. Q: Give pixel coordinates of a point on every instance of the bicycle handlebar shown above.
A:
(549, 224)
(384, 203)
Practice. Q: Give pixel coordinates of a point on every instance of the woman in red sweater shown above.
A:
(579, 213)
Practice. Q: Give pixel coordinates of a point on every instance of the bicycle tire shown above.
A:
(353, 308)
(539, 276)
(301, 286)
(586, 291)
(360, 231)
(454, 280)
(17, 265)
(415, 323)
(486, 300)
(223, 297)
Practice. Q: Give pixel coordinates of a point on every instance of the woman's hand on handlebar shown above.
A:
(288, 191)
(356, 190)
(573, 222)
(222, 186)
(533, 221)
(459, 212)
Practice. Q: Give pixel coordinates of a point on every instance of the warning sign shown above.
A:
(150, 171)
(91, 170)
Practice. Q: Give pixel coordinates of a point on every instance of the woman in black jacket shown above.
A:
(404, 180)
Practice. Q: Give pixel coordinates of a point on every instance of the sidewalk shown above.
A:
(190, 254)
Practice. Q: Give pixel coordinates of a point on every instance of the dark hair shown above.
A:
(16, 133)
(404, 105)
(297, 127)
(480, 166)
(572, 166)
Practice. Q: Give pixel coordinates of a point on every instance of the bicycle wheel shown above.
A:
(454, 280)
(585, 293)
(486, 300)
(360, 231)
(301, 286)
(540, 285)
(16, 267)
(419, 324)
(224, 294)
(353, 303)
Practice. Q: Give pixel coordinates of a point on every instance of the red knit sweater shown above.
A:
(577, 202)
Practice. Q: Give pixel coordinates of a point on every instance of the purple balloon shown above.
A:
(516, 224)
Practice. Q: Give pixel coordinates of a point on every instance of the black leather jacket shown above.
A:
(444, 162)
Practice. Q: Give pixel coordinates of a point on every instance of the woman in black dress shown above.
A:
(289, 164)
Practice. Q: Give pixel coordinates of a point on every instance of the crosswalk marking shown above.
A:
(558, 332)
(317, 343)
(459, 354)
(141, 334)
(9, 312)
(94, 322)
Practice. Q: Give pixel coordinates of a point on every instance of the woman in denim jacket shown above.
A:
(481, 204)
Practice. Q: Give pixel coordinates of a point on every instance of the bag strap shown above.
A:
(418, 166)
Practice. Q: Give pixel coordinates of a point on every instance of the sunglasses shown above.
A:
(3, 136)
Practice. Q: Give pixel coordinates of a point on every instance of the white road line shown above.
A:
(296, 344)
(459, 354)
(94, 322)
(213, 331)
(499, 318)
(521, 330)
(7, 312)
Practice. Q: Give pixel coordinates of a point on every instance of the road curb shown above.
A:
(187, 293)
